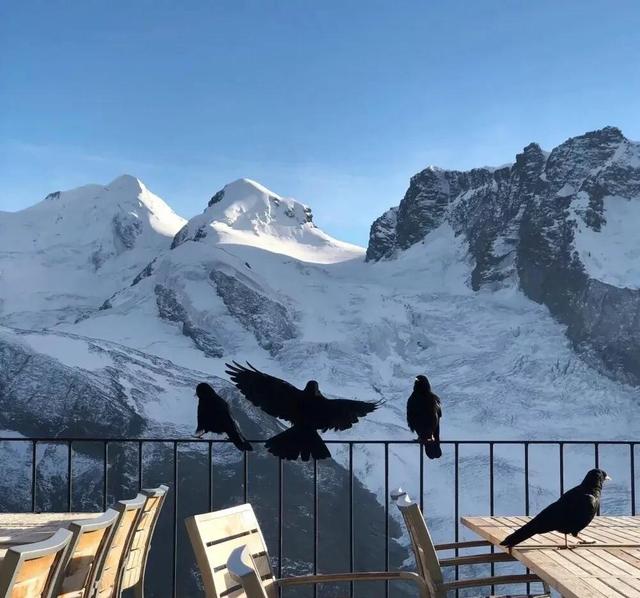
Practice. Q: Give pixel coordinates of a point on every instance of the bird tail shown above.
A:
(432, 449)
(240, 442)
(298, 442)
(520, 535)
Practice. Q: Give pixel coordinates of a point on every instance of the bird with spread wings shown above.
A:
(307, 410)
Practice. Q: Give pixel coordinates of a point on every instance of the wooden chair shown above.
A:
(215, 536)
(90, 541)
(139, 552)
(112, 568)
(32, 570)
(429, 565)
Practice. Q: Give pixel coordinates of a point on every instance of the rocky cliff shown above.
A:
(548, 223)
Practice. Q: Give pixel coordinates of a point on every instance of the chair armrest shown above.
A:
(470, 544)
(357, 576)
(242, 569)
(489, 581)
(496, 557)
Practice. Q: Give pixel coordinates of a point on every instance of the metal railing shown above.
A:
(452, 454)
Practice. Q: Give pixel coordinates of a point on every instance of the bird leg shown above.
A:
(581, 541)
(566, 542)
(424, 439)
(200, 434)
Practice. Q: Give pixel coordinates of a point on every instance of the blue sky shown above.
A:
(336, 103)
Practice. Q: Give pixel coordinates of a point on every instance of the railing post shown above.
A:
(457, 506)
(491, 504)
(280, 516)
(632, 448)
(526, 493)
(139, 464)
(33, 474)
(351, 537)
(210, 468)
(421, 449)
(561, 444)
(69, 474)
(386, 516)
(245, 473)
(596, 459)
(175, 517)
(315, 524)
(105, 474)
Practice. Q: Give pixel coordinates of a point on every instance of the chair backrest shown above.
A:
(32, 570)
(427, 563)
(112, 567)
(215, 535)
(141, 543)
(242, 569)
(89, 544)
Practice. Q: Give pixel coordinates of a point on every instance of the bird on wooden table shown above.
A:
(214, 416)
(424, 411)
(570, 514)
(307, 410)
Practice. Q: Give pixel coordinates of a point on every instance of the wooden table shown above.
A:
(23, 528)
(610, 567)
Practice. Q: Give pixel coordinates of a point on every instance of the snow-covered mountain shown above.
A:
(246, 213)
(560, 226)
(69, 252)
(446, 289)
(515, 289)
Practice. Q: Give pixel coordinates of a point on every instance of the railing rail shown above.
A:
(452, 447)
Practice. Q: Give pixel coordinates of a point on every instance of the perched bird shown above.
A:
(214, 416)
(423, 416)
(307, 410)
(570, 514)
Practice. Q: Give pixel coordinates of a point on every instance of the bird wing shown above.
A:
(580, 508)
(274, 396)
(412, 412)
(201, 416)
(438, 404)
(341, 414)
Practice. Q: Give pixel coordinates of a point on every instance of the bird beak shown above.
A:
(607, 478)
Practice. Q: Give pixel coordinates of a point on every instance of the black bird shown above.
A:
(424, 411)
(214, 416)
(307, 410)
(570, 514)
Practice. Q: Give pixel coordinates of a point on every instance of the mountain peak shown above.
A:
(246, 213)
(126, 183)
(605, 139)
(245, 204)
(609, 132)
